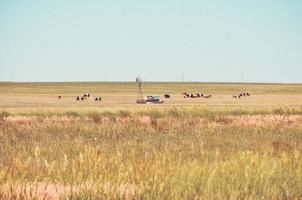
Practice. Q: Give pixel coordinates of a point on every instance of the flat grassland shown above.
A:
(218, 148)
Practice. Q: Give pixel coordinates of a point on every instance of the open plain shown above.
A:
(185, 148)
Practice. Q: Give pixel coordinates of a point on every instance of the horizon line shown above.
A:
(123, 81)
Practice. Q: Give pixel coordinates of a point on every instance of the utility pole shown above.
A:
(182, 76)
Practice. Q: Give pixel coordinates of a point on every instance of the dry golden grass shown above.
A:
(20, 98)
(219, 148)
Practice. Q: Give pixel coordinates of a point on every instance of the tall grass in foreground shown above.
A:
(166, 155)
(203, 111)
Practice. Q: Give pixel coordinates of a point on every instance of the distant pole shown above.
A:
(144, 77)
(182, 76)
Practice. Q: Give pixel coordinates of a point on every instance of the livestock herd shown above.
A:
(242, 94)
(184, 94)
(198, 95)
(87, 96)
(84, 97)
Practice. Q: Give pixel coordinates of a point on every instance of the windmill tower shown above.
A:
(140, 97)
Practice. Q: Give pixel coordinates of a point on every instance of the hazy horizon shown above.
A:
(165, 41)
(205, 82)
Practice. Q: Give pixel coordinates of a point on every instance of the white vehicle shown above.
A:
(150, 99)
(147, 99)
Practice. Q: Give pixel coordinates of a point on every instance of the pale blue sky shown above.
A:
(231, 40)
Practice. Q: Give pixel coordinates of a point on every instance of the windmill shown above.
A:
(140, 97)
(147, 99)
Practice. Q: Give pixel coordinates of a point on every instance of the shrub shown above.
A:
(3, 115)
(72, 114)
(125, 113)
(96, 117)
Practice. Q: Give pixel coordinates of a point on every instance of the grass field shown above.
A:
(218, 148)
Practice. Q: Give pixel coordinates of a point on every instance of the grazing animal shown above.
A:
(189, 95)
(86, 95)
(167, 96)
(78, 98)
(59, 97)
(97, 99)
(193, 96)
(199, 95)
(234, 96)
(242, 94)
(83, 98)
(207, 96)
(185, 95)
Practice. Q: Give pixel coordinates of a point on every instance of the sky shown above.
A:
(160, 40)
